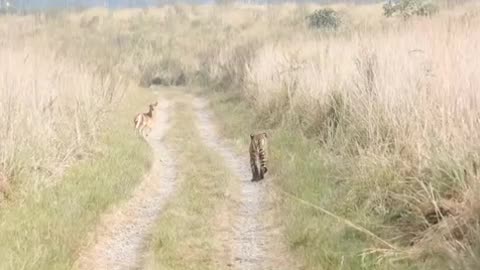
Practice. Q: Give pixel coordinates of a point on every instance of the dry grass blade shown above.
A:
(341, 219)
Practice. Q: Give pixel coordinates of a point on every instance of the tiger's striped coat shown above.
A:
(258, 155)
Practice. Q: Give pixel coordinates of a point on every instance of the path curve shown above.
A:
(122, 234)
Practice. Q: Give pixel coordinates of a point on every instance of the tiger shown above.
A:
(258, 155)
(145, 120)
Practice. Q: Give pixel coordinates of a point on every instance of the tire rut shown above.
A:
(250, 243)
(123, 233)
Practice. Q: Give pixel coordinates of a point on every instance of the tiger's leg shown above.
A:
(260, 173)
(253, 165)
(262, 167)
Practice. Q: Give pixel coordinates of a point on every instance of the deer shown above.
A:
(144, 121)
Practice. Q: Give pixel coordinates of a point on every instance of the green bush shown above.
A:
(408, 8)
(324, 19)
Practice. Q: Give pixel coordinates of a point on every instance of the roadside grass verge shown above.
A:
(186, 237)
(300, 167)
(45, 229)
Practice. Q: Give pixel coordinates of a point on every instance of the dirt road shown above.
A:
(255, 243)
(249, 242)
(124, 232)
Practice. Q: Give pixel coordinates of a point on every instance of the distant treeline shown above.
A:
(55, 4)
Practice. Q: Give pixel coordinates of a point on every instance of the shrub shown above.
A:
(166, 72)
(324, 19)
(7, 10)
(408, 8)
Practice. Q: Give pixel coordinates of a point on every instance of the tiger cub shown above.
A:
(258, 155)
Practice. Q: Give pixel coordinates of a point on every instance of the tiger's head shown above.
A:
(258, 136)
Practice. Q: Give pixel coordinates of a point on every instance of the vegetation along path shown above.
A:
(121, 236)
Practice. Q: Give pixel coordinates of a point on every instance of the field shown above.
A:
(373, 125)
(62, 161)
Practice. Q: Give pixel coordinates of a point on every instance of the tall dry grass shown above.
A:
(404, 100)
(62, 158)
(51, 107)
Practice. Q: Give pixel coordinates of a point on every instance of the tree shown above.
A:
(7, 6)
(224, 2)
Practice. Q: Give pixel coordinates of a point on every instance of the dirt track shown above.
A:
(249, 241)
(124, 232)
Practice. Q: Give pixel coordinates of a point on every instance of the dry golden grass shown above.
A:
(62, 159)
(50, 106)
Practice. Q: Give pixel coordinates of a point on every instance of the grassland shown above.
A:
(62, 160)
(376, 121)
(44, 229)
(308, 173)
(360, 129)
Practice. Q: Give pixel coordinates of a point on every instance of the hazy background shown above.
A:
(49, 4)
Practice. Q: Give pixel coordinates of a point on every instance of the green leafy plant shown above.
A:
(324, 19)
(409, 8)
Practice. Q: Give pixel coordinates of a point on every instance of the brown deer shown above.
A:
(144, 121)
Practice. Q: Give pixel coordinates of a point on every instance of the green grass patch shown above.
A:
(45, 229)
(185, 237)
